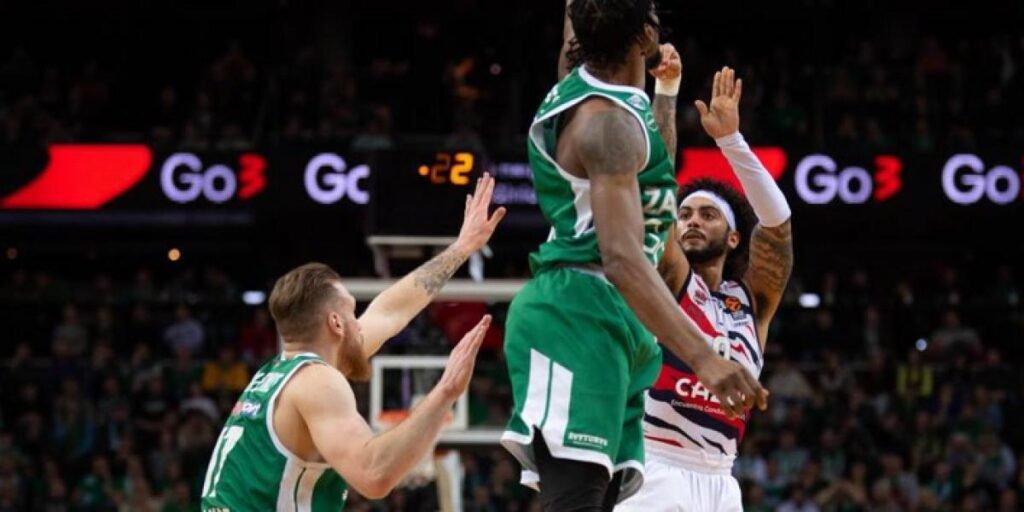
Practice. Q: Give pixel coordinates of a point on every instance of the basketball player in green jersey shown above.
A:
(578, 341)
(295, 441)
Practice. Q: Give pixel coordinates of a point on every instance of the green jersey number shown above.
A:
(225, 444)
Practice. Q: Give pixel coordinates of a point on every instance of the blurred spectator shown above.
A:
(69, 337)
(227, 373)
(953, 335)
(258, 339)
(787, 382)
(186, 333)
(914, 379)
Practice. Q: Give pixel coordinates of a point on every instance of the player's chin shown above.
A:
(693, 244)
(359, 371)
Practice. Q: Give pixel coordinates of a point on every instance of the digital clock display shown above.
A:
(422, 193)
(449, 168)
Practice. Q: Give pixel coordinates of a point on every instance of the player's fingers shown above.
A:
(701, 107)
(739, 90)
(497, 216)
(465, 211)
(730, 81)
(478, 337)
(716, 84)
(732, 404)
(762, 400)
(488, 188)
(478, 190)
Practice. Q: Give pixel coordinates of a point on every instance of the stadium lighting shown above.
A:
(253, 297)
(810, 300)
(921, 345)
(174, 254)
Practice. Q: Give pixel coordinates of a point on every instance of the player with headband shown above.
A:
(729, 276)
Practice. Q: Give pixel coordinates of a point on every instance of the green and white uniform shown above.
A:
(578, 357)
(251, 470)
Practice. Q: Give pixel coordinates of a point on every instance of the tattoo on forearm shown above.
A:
(771, 261)
(432, 275)
(665, 116)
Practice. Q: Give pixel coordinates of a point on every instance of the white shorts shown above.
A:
(670, 488)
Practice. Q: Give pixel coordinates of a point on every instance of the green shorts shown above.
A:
(579, 361)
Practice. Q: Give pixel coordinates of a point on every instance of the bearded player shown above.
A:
(578, 338)
(295, 441)
(731, 288)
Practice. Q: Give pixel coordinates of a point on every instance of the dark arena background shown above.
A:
(162, 163)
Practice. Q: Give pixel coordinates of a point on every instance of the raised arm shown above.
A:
(396, 306)
(674, 267)
(564, 67)
(668, 76)
(771, 243)
(612, 150)
(374, 464)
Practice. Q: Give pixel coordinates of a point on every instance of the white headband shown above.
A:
(722, 204)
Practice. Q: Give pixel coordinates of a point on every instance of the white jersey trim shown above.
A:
(281, 448)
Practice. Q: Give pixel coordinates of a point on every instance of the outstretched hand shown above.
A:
(459, 370)
(477, 225)
(723, 116)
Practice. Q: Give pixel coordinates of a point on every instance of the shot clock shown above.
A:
(421, 193)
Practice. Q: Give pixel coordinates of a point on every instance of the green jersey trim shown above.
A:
(593, 81)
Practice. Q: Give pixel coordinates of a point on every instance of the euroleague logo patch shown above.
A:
(733, 304)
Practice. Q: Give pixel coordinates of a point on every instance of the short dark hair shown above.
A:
(605, 29)
(738, 258)
(299, 296)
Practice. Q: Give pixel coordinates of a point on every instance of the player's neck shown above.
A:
(711, 273)
(322, 350)
(631, 73)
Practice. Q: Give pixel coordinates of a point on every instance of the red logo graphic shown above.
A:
(696, 163)
(887, 176)
(83, 176)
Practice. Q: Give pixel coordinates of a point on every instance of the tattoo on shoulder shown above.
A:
(612, 143)
(771, 261)
(432, 275)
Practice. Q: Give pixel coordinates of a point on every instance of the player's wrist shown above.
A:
(668, 86)
(462, 248)
(702, 360)
(731, 139)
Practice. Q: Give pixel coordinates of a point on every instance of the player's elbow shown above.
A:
(375, 486)
(619, 265)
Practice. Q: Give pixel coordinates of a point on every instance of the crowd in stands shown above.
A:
(895, 86)
(896, 395)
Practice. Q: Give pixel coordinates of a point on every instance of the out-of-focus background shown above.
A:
(161, 163)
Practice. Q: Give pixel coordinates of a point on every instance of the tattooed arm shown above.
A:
(771, 243)
(396, 306)
(771, 261)
(665, 116)
(670, 70)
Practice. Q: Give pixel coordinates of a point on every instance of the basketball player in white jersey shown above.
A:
(730, 283)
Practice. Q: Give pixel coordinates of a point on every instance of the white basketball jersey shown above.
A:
(683, 421)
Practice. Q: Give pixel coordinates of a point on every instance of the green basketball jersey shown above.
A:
(565, 199)
(251, 470)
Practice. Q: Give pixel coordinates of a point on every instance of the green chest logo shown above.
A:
(659, 214)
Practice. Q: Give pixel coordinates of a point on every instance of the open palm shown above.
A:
(723, 116)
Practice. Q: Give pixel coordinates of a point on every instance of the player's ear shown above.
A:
(734, 239)
(334, 323)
